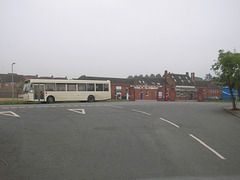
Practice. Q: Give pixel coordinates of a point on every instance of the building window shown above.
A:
(177, 93)
(185, 94)
(147, 92)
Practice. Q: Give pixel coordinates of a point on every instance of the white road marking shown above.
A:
(211, 149)
(80, 111)
(114, 106)
(9, 113)
(141, 112)
(170, 122)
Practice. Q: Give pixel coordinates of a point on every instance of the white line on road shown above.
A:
(211, 149)
(80, 111)
(141, 112)
(114, 106)
(9, 113)
(170, 122)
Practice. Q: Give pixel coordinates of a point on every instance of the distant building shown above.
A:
(181, 86)
(147, 89)
(133, 89)
(208, 90)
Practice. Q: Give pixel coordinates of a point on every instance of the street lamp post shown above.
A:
(12, 84)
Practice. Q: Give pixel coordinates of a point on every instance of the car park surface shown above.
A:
(123, 140)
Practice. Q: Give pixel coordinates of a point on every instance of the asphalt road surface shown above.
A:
(124, 140)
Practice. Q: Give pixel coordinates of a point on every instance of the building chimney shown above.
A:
(193, 76)
(187, 73)
(165, 72)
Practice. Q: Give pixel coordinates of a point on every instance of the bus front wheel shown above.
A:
(50, 99)
(91, 98)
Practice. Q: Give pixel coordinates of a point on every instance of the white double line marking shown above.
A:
(211, 149)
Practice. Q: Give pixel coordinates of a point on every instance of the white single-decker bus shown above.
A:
(51, 90)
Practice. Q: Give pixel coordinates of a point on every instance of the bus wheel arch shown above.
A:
(50, 99)
(91, 98)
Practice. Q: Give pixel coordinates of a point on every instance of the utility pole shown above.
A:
(12, 84)
(165, 85)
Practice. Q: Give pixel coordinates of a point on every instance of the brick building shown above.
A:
(181, 87)
(134, 89)
(208, 90)
(147, 89)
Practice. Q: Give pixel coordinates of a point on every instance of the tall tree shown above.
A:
(130, 77)
(152, 76)
(227, 69)
(208, 77)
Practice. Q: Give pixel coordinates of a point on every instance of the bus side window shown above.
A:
(99, 87)
(60, 87)
(49, 87)
(71, 87)
(106, 88)
(90, 87)
(82, 87)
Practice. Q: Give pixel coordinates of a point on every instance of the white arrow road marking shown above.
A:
(9, 113)
(80, 111)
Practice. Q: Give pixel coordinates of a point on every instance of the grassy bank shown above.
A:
(8, 101)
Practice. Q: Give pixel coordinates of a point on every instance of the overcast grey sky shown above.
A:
(116, 38)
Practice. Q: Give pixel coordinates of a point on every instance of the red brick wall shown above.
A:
(152, 94)
(209, 93)
(124, 87)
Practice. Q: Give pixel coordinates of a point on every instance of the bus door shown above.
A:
(39, 92)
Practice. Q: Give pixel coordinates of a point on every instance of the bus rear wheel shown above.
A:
(91, 98)
(50, 99)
